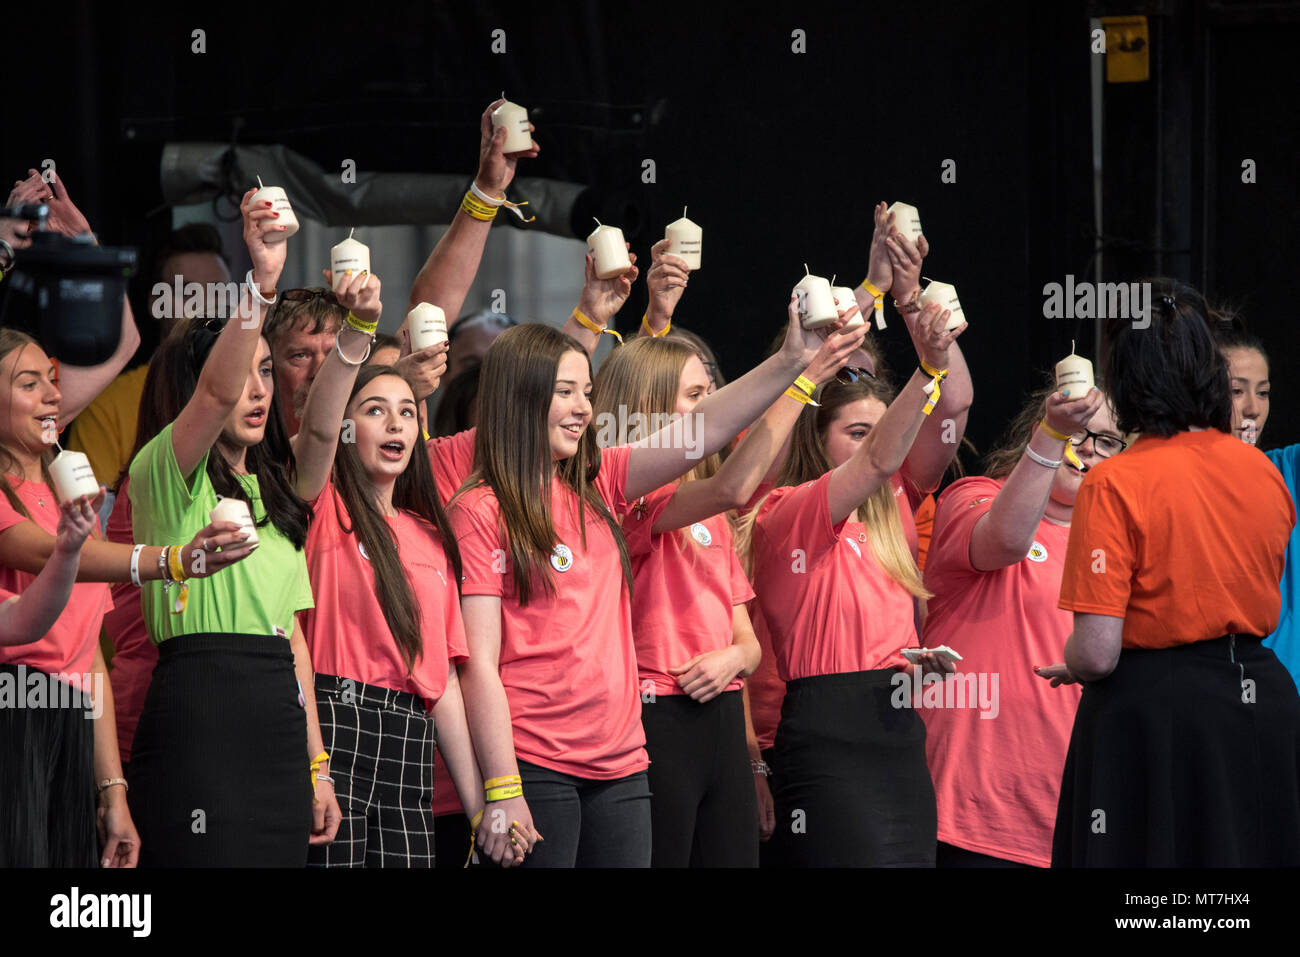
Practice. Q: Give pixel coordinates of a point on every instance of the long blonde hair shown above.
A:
(13, 341)
(808, 461)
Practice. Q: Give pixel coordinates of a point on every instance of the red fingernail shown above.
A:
(268, 202)
(276, 215)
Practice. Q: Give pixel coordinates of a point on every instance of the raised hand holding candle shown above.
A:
(348, 255)
(906, 220)
(515, 119)
(945, 295)
(685, 240)
(816, 301)
(279, 204)
(844, 298)
(426, 324)
(609, 248)
(1074, 375)
(235, 510)
(72, 476)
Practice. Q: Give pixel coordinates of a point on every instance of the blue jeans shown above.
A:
(587, 823)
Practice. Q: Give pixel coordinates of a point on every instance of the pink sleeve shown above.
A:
(741, 590)
(10, 516)
(800, 517)
(482, 557)
(915, 495)
(640, 518)
(612, 479)
(452, 459)
(959, 509)
(453, 624)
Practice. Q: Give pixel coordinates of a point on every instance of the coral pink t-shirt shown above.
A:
(997, 762)
(134, 655)
(68, 648)
(568, 664)
(347, 632)
(452, 459)
(829, 606)
(685, 586)
(766, 689)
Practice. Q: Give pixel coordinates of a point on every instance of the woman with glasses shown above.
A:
(994, 567)
(1185, 749)
(228, 747)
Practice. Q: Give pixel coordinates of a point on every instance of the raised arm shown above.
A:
(743, 471)
(1004, 534)
(225, 373)
(665, 282)
(449, 272)
(598, 303)
(322, 416)
(676, 449)
(880, 271)
(883, 451)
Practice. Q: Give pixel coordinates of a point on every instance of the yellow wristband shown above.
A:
(176, 565)
(870, 287)
(504, 794)
(938, 376)
(800, 396)
(361, 325)
(1059, 436)
(645, 324)
(806, 384)
(937, 373)
(473, 206)
(502, 781)
(587, 323)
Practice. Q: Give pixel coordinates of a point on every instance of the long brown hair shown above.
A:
(12, 340)
(512, 453)
(1000, 462)
(808, 461)
(413, 492)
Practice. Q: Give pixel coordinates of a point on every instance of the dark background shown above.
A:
(779, 155)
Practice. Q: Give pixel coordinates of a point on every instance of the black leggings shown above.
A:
(585, 822)
(703, 810)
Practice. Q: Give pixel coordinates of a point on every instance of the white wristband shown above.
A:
(490, 200)
(135, 565)
(257, 295)
(346, 360)
(1041, 460)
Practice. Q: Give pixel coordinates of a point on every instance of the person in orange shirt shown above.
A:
(1186, 743)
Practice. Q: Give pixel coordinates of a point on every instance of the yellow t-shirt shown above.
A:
(105, 430)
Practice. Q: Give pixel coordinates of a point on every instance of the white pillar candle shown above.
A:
(348, 255)
(235, 510)
(426, 324)
(907, 220)
(844, 298)
(279, 204)
(610, 249)
(816, 302)
(1074, 375)
(515, 119)
(946, 296)
(685, 239)
(72, 476)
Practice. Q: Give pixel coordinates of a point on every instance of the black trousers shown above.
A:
(586, 822)
(47, 787)
(703, 811)
(849, 777)
(1184, 757)
(380, 743)
(219, 768)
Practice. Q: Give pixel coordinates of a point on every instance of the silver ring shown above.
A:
(205, 544)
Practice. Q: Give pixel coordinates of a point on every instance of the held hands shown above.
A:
(601, 299)
(905, 261)
(705, 676)
(496, 169)
(215, 547)
(76, 522)
(358, 293)
(880, 268)
(929, 337)
(1072, 415)
(506, 834)
(325, 814)
(268, 258)
(666, 281)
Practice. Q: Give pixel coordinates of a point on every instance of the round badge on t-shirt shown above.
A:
(701, 534)
(362, 549)
(1037, 553)
(854, 545)
(562, 558)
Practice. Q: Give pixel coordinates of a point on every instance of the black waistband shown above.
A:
(225, 643)
(847, 681)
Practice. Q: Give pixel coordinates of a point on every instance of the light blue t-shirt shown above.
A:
(1285, 641)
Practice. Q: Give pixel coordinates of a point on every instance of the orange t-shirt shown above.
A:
(1183, 538)
(568, 663)
(997, 761)
(685, 586)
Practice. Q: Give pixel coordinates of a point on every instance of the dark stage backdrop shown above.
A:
(779, 154)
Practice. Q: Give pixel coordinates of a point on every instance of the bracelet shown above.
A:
(870, 287)
(760, 767)
(490, 200)
(320, 759)
(589, 324)
(801, 397)
(361, 325)
(1059, 436)
(345, 359)
(475, 821)
(107, 783)
(938, 376)
(257, 295)
(9, 252)
(1042, 460)
(485, 207)
(135, 565)
(176, 564)
(162, 566)
(502, 781)
(324, 777)
(503, 794)
(477, 209)
(645, 324)
(909, 307)
(806, 384)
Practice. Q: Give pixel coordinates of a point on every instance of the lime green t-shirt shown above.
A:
(256, 596)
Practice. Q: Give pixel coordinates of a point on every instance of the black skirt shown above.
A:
(47, 788)
(219, 770)
(1184, 757)
(849, 777)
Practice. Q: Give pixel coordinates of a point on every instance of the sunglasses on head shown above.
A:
(850, 374)
(307, 295)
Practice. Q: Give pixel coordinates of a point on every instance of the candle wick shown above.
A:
(351, 231)
(598, 222)
(683, 212)
(259, 183)
(806, 270)
(833, 275)
(1071, 347)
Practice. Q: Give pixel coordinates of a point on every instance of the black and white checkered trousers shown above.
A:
(380, 744)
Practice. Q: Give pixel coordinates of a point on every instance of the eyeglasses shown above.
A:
(1104, 445)
(850, 374)
(309, 294)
